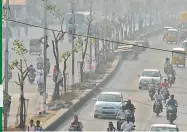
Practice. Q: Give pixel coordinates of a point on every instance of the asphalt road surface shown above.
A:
(126, 82)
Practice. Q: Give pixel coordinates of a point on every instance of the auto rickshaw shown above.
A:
(184, 45)
(165, 32)
(178, 56)
(172, 36)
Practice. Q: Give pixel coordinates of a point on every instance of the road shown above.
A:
(126, 82)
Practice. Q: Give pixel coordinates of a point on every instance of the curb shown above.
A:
(82, 100)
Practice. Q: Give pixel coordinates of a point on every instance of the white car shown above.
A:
(146, 77)
(164, 128)
(108, 104)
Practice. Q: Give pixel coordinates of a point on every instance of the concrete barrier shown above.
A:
(80, 102)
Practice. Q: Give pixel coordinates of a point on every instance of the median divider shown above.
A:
(64, 114)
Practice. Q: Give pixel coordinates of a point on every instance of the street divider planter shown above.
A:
(62, 115)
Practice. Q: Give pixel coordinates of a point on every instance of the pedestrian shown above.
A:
(38, 127)
(31, 127)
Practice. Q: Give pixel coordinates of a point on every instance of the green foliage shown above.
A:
(65, 55)
(19, 48)
(54, 11)
(14, 64)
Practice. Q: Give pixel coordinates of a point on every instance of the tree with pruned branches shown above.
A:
(23, 70)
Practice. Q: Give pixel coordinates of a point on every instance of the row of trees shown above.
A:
(115, 27)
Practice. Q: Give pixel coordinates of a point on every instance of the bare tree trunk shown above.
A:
(64, 75)
(84, 53)
(22, 99)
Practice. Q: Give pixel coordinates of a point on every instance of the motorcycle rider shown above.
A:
(171, 102)
(158, 98)
(121, 116)
(152, 83)
(166, 65)
(127, 126)
(152, 86)
(121, 113)
(130, 106)
(39, 60)
(76, 124)
(111, 127)
(172, 72)
(167, 62)
(165, 84)
(40, 81)
(32, 71)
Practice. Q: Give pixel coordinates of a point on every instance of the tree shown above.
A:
(64, 56)
(55, 43)
(85, 47)
(20, 50)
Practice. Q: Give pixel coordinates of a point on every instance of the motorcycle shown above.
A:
(31, 77)
(41, 88)
(152, 92)
(131, 129)
(157, 109)
(171, 114)
(54, 77)
(166, 69)
(74, 128)
(39, 65)
(171, 80)
(129, 114)
(119, 123)
(165, 95)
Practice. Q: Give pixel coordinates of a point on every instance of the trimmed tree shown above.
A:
(23, 70)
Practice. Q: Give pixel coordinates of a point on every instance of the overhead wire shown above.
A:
(86, 36)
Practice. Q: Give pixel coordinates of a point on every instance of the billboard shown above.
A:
(15, 2)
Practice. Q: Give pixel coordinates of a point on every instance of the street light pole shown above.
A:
(90, 22)
(6, 62)
(73, 55)
(45, 55)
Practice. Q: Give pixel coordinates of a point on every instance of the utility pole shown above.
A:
(45, 55)
(73, 45)
(105, 32)
(146, 14)
(6, 63)
(90, 24)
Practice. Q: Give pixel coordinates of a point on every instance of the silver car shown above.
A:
(108, 104)
(164, 128)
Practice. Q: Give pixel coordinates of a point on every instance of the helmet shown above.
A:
(31, 65)
(76, 116)
(129, 101)
(110, 123)
(172, 96)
